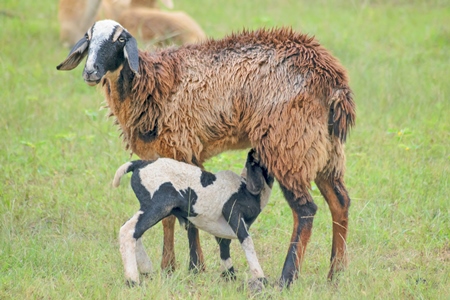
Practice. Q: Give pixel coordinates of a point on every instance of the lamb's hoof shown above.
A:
(257, 285)
(148, 275)
(229, 275)
(131, 283)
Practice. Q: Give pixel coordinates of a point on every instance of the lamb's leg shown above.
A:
(196, 262)
(303, 211)
(227, 263)
(168, 256)
(239, 227)
(128, 249)
(336, 195)
(130, 245)
(143, 261)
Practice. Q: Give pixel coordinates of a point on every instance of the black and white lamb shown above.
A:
(223, 204)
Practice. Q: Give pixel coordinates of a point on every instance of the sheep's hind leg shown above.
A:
(303, 211)
(168, 262)
(143, 261)
(336, 195)
(227, 263)
(196, 261)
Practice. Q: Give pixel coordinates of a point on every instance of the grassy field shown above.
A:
(59, 217)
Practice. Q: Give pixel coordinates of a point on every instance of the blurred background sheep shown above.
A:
(142, 18)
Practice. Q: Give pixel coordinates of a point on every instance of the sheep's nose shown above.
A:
(91, 76)
(90, 72)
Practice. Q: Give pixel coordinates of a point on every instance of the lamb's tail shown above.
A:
(342, 113)
(124, 169)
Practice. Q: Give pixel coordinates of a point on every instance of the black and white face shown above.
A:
(107, 46)
(256, 174)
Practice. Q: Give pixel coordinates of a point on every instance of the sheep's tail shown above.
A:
(124, 169)
(342, 113)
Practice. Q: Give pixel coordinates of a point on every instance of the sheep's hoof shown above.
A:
(256, 285)
(283, 283)
(147, 275)
(131, 283)
(195, 269)
(229, 275)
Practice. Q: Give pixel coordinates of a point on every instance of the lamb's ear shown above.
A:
(132, 55)
(255, 176)
(76, 55)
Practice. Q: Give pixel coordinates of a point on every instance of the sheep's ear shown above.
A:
(255, 176)
(76, 55)
(132, 55)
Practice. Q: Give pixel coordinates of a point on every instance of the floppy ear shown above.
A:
(76, 55)
(255, 177)
(132, 55)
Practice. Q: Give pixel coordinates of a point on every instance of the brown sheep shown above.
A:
(277, 91)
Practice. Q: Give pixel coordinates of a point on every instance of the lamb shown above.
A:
(276, 91)
(223, 204)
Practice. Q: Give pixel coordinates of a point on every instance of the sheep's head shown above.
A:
(256, 174)
(108, 46)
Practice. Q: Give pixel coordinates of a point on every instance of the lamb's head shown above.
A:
(108, 46)
(257, 175)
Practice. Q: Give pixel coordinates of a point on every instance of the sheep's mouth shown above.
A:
(92, 82)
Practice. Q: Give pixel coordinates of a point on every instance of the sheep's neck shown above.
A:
(133, 101)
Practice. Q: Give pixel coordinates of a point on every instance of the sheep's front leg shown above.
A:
(224, 247)
(168, 257)
(196, 262)
(238, 225)
(128, 249)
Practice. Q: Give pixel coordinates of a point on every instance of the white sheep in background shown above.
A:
(223, 204)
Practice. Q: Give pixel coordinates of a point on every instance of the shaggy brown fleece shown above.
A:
(277, 91)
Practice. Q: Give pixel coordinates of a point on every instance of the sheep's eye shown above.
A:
(121, 39)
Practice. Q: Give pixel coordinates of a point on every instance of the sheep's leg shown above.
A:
(128, 249)
(238, 225)
(196, 262)
(303, 211)
(143, 261)
(336, 195)
(168, 255)
(146, 220)
(227, 263)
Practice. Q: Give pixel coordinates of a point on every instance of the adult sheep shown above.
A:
(277, 91)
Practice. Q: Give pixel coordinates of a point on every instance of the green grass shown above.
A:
(59, 217)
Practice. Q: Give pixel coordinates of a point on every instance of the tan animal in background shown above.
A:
(142, 18)
(111, 9)
(75, 17)
(161, 27)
